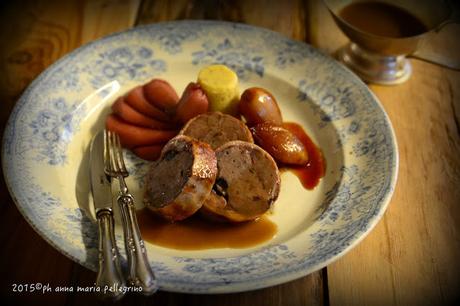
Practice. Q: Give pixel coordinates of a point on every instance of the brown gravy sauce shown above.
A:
(311, 173)
(195, 233)
(382, 19)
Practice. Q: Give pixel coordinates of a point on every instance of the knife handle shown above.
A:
(109, 277)
(139, 271)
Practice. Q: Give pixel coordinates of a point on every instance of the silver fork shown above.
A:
(140, 273)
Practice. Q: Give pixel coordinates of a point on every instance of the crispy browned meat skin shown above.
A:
(247, 183)
(217, 129)
(180, 181)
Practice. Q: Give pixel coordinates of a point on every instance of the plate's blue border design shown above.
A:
(239, 59)
(127, 62)
(52, 129)
(171, 37)
(44, 121)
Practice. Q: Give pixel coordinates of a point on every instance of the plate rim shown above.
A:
(384, 202)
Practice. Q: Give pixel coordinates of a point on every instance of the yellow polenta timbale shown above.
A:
(220, 84)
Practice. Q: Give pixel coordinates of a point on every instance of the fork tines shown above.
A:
(113, 155)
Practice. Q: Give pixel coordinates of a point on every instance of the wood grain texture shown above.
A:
(33, 35)
(304, 291)
(322, 30)
(411, 257)
(103, 17)
(287, 17)
(418, 250)
(28, 259)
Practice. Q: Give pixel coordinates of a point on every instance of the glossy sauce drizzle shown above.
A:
(310, 174)
(195, 233)
(383, 19)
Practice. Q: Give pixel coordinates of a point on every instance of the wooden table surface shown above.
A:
(410, 258)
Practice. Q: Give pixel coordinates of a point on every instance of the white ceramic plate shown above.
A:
(45, 149)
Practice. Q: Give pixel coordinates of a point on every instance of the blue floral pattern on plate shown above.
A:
(45, 154)
(52, 130)
(132, 63)
(227, 53)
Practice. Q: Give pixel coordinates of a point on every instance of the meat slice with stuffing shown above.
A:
(247, 183)
(216, 129)
(181, 179)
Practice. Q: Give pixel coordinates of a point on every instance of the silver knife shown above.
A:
(109, 277)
